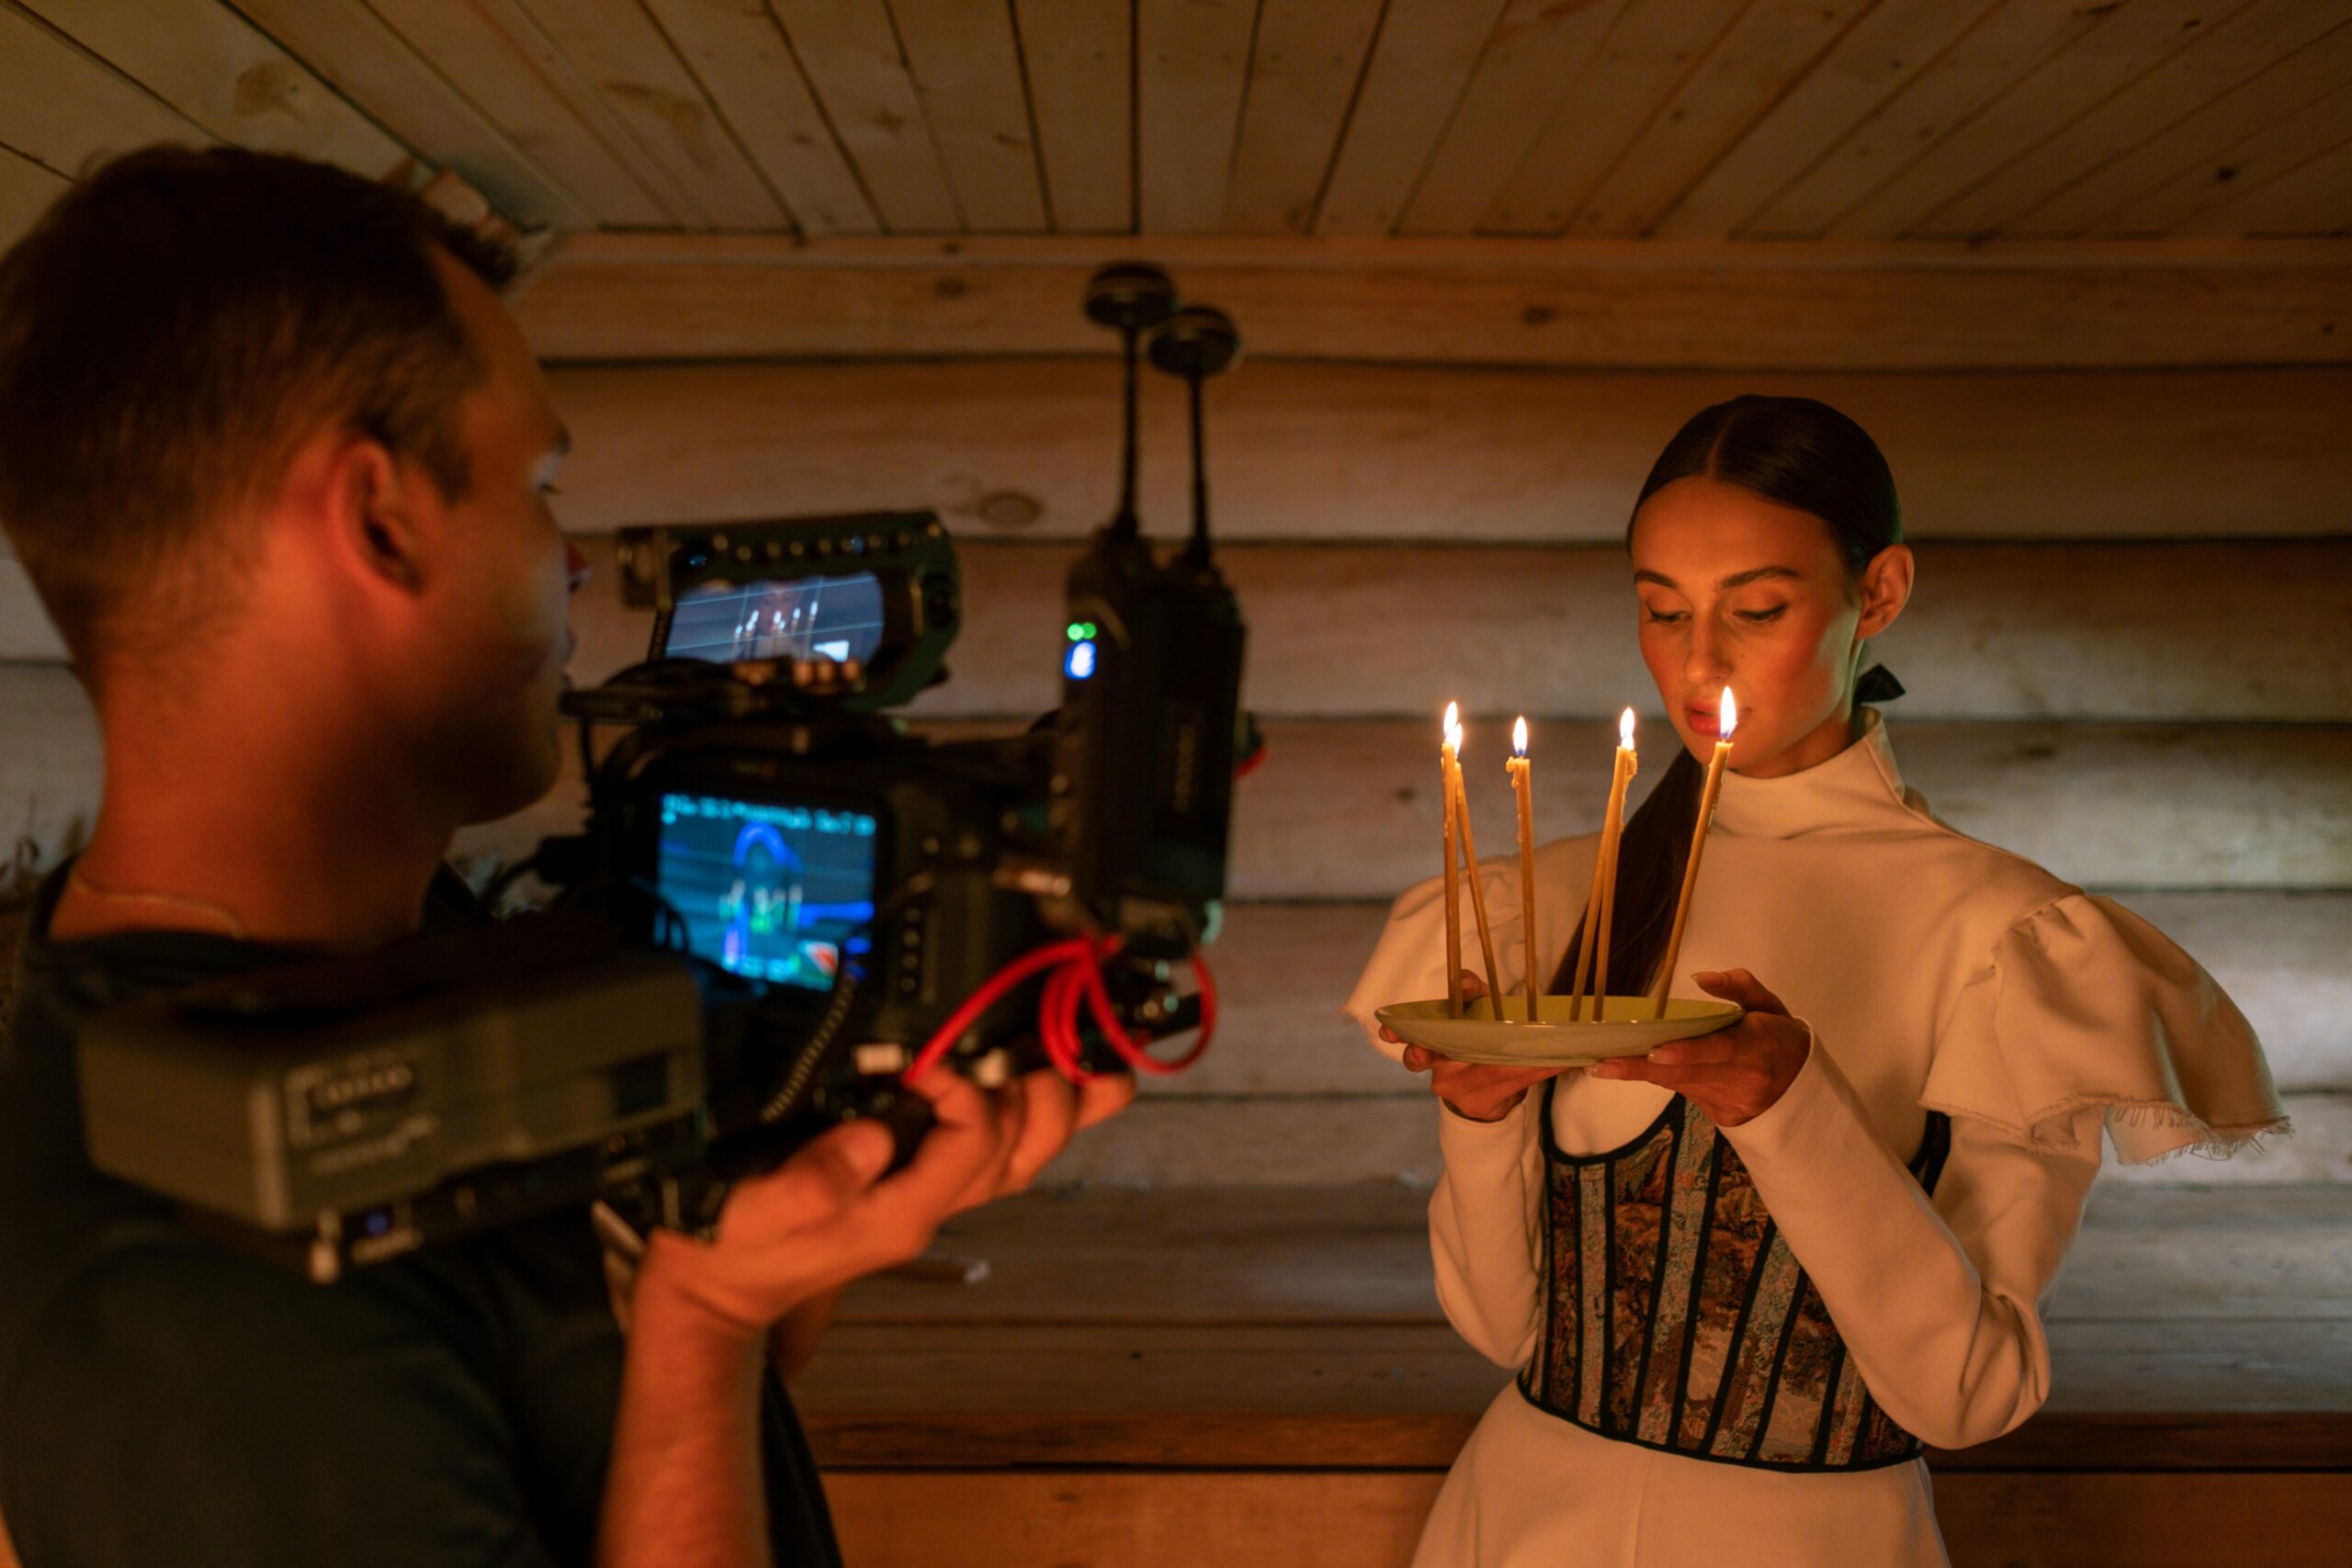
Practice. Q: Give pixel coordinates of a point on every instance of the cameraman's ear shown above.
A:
(378, 518)
(1886, 589)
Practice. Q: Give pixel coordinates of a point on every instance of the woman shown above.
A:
(1746, 1279)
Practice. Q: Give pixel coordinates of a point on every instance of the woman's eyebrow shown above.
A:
(1740, 579)
(1736, 580)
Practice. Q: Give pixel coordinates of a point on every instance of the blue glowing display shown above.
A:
(1079, 664)
(771, 892)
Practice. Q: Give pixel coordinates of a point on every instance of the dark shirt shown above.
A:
(166, 1400)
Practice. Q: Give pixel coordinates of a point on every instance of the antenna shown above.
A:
(1197, 343)
(1130, 298)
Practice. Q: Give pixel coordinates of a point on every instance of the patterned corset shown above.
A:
(1676, 1317)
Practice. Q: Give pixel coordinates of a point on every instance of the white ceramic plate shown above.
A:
(1624, 1029)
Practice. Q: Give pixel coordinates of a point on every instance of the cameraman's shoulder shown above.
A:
(251, 1406)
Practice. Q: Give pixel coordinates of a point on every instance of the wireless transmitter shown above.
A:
(1151, 722)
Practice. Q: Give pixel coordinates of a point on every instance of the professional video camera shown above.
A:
(785, 906)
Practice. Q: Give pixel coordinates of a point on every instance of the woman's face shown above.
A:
(1743, 591)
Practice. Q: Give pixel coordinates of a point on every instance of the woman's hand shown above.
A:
(1471, 1091)
(1737, 1073)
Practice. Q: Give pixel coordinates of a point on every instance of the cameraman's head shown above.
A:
(267, 437)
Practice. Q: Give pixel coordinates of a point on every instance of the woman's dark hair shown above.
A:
(1801, 454)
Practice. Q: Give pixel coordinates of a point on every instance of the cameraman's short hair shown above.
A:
(171, 330)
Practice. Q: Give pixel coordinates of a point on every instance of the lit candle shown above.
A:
(1470, 867)
(1601, 905)
(1612, 834)
(1452, 886)
(1697, 843)
(1521, 768)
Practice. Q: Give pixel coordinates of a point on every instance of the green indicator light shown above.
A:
(1086, 628)
(1077, 631)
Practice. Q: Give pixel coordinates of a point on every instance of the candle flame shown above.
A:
(1454, 734)
(1452, 719)
(1625, 730)
(1518, 736)
(1730, 717)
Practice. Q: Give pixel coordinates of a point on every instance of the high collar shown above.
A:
(1858, 788)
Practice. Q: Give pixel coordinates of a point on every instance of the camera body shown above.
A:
(785, 904)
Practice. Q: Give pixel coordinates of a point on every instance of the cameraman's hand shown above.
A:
(828, 1215)
(1042, 1110)
(1475, 1092)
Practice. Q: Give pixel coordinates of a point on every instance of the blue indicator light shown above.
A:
(1079, 665)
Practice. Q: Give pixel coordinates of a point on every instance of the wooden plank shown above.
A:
(1344, 810)
(1648, 304)
(1175, 1141)
(965, 61)
(1075, 56)
(2183, 160)
(854, 64)
(1343, 1396)
(502, 64)
(50, 770)
(1536, 67)
(349, 45)
(1026, 448)
(1191, 71)
(1970, 73)
(739, 55)
(2148, 1521)
(2218, 193)
(1171, 1141)
(640, 81)
(215, 68)
(1421, 59)
(1652, 49)
(2315, 199)
(2150, 1269)
(2217, 59)
(1772, 43)
(1281, 968)
(1869, 64)
(70, 112)
(2126, 40)
(25, 190)
(1371, 1519)
(1303, 70)
(2139, 632)
(1083, 1520)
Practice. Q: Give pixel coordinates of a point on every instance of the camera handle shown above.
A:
(1197, 343)
(1131, 297)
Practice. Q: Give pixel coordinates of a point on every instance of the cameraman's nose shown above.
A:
(575, 566)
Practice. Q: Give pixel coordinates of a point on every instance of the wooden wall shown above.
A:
(2127, 655)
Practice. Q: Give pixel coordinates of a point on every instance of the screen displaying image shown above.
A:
(837, 618)
(781, 894)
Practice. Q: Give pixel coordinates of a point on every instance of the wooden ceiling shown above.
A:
(1672, 119)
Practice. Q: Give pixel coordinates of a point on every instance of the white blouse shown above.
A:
(1936, 974)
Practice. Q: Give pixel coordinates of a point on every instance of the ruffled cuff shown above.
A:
(2084, 1005)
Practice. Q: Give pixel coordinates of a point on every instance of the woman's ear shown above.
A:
(1886, 589)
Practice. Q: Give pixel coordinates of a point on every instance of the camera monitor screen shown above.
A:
(837, 618)
(777, 893)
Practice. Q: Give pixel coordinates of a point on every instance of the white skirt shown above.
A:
(1532, 1491)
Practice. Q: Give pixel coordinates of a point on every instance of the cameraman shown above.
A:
(278, 464)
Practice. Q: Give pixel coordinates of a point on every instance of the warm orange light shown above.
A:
(1453, 725)
(1518, 736)
(1625, 731)
(1730, 717)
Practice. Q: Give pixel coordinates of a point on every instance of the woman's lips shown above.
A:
(1703, 721)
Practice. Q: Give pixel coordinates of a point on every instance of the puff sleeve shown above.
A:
(2083, 1006)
